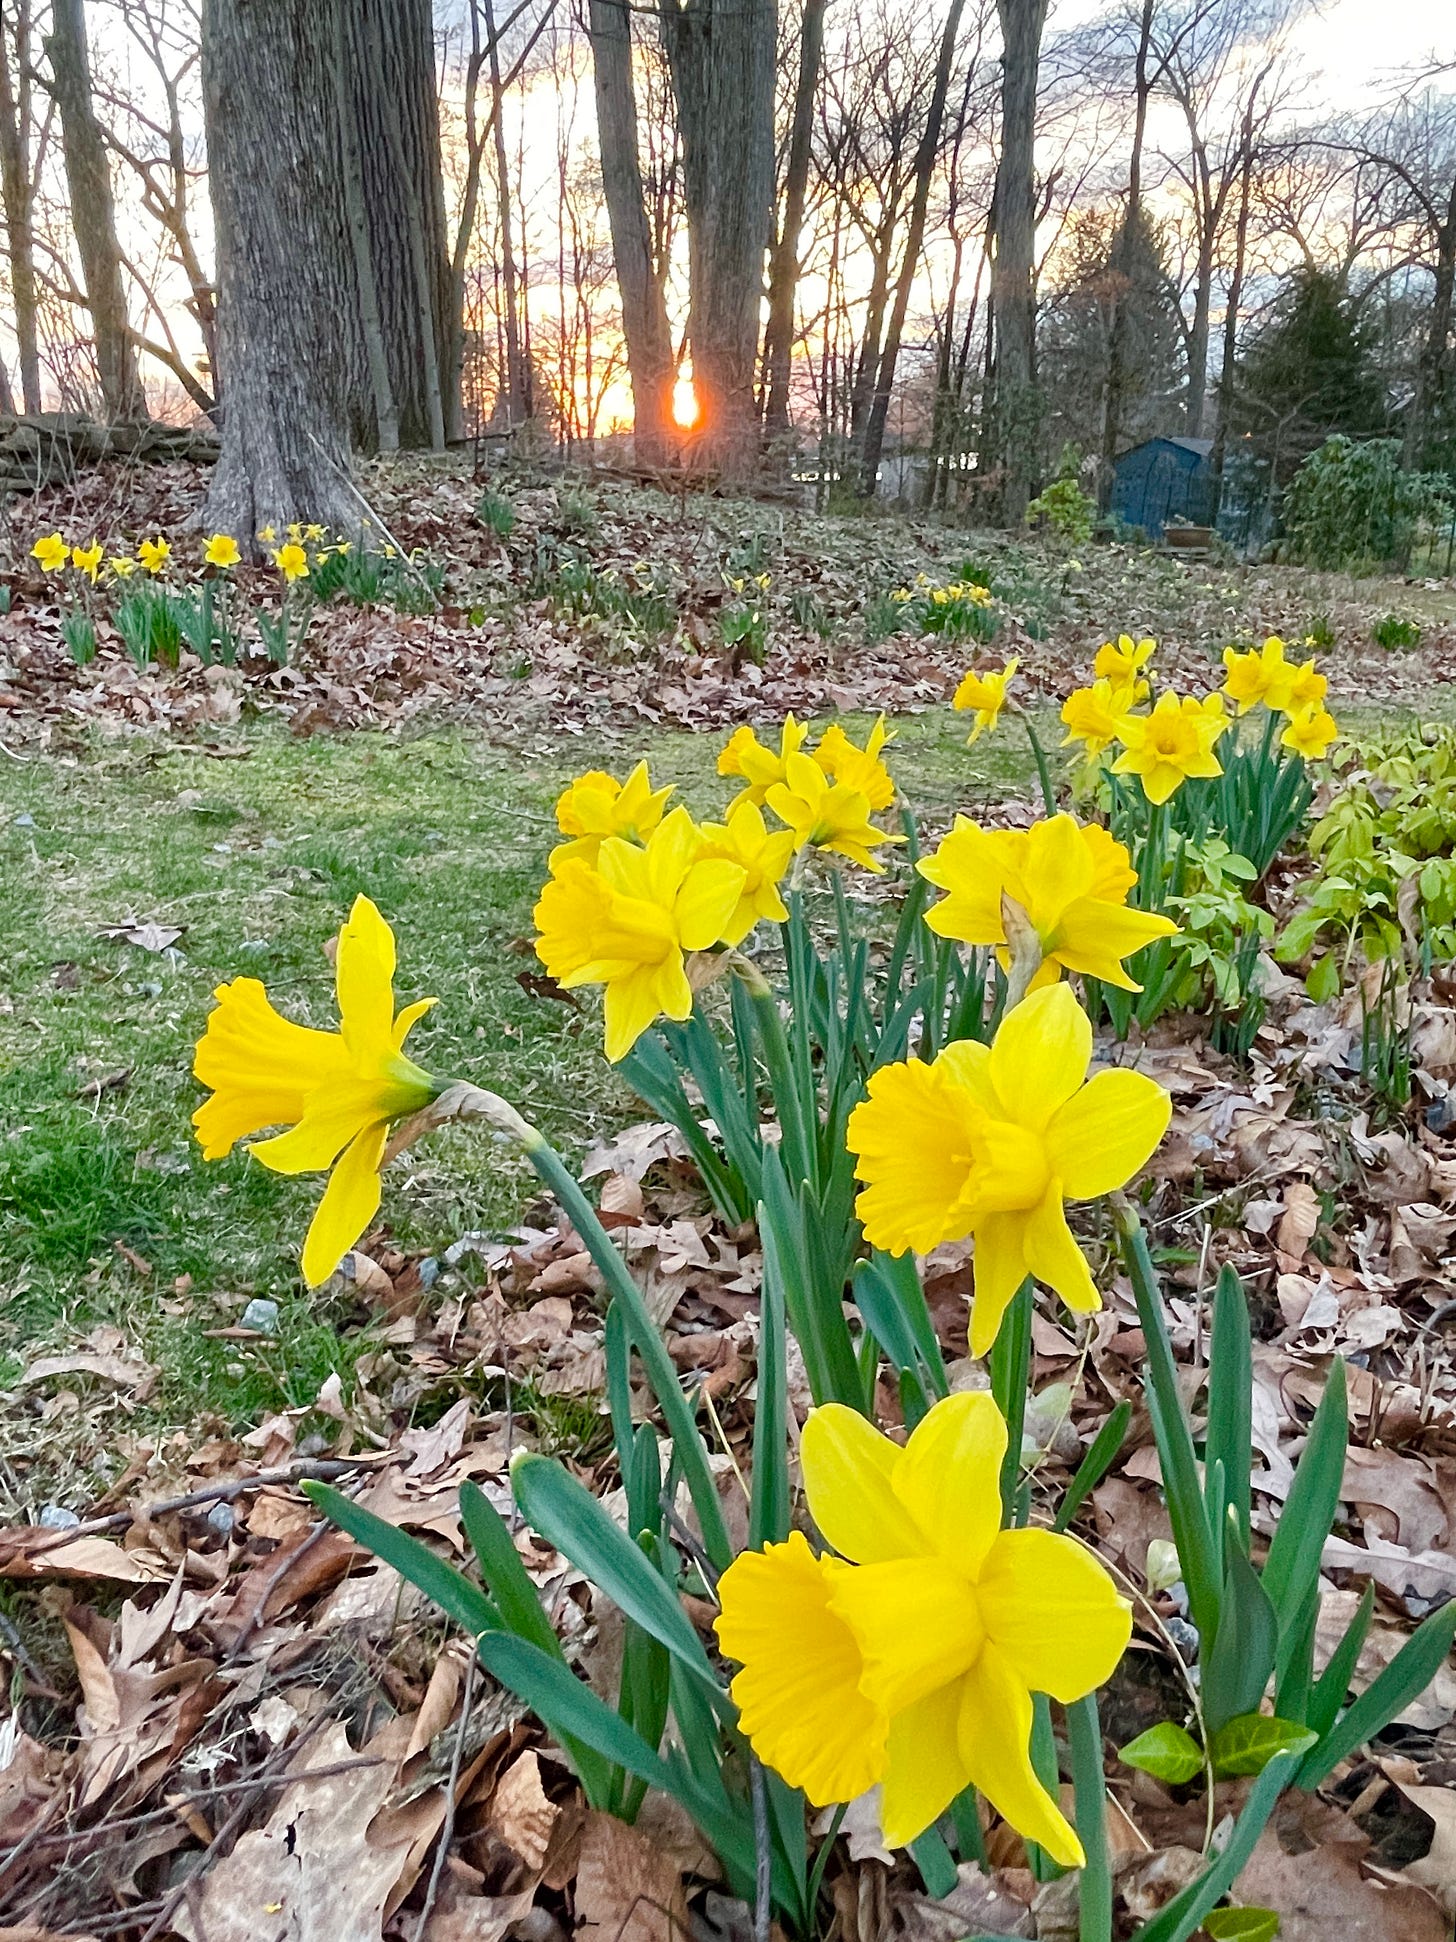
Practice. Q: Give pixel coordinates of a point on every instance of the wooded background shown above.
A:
(930, 252)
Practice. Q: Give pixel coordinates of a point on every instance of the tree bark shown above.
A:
(515, 392)
(874, 438)
(1232, 305)
(1432, 372)
(645, 326)
(1122, 265)
(18, 203)
(783, 282)
(720, 55)
(93, 214)
(1014, 405)
(285, 277)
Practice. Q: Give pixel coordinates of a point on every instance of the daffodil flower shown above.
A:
(222, 550)
(1308, 686)
(87, 559)
(596, 806)
(908, 1661)
(1070, 878)
(858, 768)
(51, 553)
(1311, 732)
(628, 924)
(1261, 675)
(1171, 743)
(826, 815)
(1093, 715)
(986, 693)
(154, 554)
(1122, 662)
(337, 1092)
(291, 561)
(990, 1141)
(763, 856)
(121, 566)
(760, 767)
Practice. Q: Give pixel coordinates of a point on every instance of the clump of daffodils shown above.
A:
(641, 897)
(963, 609)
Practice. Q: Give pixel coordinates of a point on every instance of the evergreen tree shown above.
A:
(1308, 373)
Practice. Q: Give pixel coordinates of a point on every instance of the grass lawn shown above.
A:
(256, 844)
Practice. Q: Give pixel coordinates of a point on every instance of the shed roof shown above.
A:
(1199, 447)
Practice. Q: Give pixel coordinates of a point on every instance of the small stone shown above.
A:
(428, 1271)
(222, 1517)
(261, 1314)
(55, 1517)
(25, 820)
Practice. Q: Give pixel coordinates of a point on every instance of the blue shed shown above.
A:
(1163, 479)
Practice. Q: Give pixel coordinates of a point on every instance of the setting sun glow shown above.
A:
(684, 402)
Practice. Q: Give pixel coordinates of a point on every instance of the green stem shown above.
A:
(1084, 1742)
(1044, 774)
(1010, 1366)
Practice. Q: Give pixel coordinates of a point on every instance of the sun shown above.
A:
(684, 402)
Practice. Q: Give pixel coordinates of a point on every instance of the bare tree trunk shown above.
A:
(1198, 335)
(15, 185)
(1014, 405)
(874, 439)
(1232, 305)
(356, 213)
(284, 272)
(1122, 265)
(645, 325)
(783, 282)
(1432, 368)
(93, 215)
(516, 385)
(721, 57)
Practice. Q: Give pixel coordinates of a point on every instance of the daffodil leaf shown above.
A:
(1248, 1924)
(1167, 1751)
(1247, 1744)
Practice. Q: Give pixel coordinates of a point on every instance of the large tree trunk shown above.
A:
(1432, 371)
(644, 309)
(1233, 303)
(874, 438)
(783, 282)
(285, 278)
(1198, 335)
(721, 57)
(516, 386)
(16, 191)
(396, 116)
(1014, 412)
(1122, 265)
(93, 214)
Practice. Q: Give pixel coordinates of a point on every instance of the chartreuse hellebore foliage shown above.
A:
(990, 1141)
(336, 1092)
(909, 1659)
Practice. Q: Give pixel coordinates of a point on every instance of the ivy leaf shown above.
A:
(1166, 1751)
(1248, 1924)
(1247, 1744)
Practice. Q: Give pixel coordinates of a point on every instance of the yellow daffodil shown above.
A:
(763, 856)
(1093, 715)
(222, 550)
(746, 756)
(825, 815)
(989, 1142)
(51, 553)
(858, 768)
(121, 566)
(313, 532)
(628, 924)
(267, 534)
(1122, 662)
(1311, 732)
(154, 554)
(1260, 675)
(1072, 881)
(291, 561)
(1308, 686)
(1171, 743)
(87, 559)
(986, 693)
(596, 806)
(337, 1092)
(908, 1661)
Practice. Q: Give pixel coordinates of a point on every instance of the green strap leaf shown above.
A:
(1101, 1454)
(450, 1589)
(1292, 1565)
(1241, 1657)
(1404, 1679)
(1230, 1399)
(1184, 1914)
(501, 1567)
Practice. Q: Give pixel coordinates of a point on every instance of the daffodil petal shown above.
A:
(913, 1152)
(994, 1735)
(999, 1268)
(1040, 1055)
(925, 1769)
(1094, 938)
(1099, 1139)
(916, 1623)
(1053, 1256)
(848, 1471)
(409, 1018)
(968, 1063)
(364, 975)
(1052, 1612)
(707, 901)
(947, 1477)
(330, 1121)
(798, 1693)
(634, 1002)
(250, 1051)
(349, 1204)
(1058, 863)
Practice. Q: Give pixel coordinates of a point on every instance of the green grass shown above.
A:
(256, 845)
